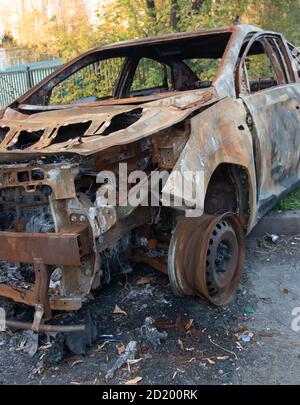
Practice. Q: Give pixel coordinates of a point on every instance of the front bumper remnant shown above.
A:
(42, 250)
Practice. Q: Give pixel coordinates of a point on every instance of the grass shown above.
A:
(290, 202)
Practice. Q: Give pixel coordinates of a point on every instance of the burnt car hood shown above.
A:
(84, 130)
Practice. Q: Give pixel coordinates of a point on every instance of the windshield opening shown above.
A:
(134, 71)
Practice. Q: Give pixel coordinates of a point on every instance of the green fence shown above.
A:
(15, 83)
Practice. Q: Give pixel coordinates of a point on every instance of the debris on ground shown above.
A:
(119, 311)
(146, 280)
(150, 334)
(180, 325)
(272, 237)
(78, 342)
(30, 342)
(139, 294)
(210, 361)
(180, 343)
(121, 348)
(246, 336)
(76, 362)
(248, 310)
(129, 354)
(134, 381)
(55, 278)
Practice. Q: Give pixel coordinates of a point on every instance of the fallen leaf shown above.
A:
(210, 361)
(23, 346)
(76, 362)
(119, 311)
(132, 362)
(222, 357)
(45, 347)
(179, 341)
(100, 347)
(134, 381)
(121, 349)
(189, 324)
(265, 334)
(239, 345)
(146, 280)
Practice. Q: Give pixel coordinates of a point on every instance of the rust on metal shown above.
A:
(206, 257)
(46, 327)
(64, 248)
(208, 114)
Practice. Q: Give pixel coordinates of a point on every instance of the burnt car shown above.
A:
(222, 104)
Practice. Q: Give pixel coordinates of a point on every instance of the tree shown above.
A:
(7, 40)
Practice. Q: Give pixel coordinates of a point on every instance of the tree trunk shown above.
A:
(151, 8)
(174, 14)
(196, 6)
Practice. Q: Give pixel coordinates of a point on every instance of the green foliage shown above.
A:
(259, 66)
(290, 202)
(120, 20)
(205, 69)
(151, 74)
(96, 80)
(69, 36)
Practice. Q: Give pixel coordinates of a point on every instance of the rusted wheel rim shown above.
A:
(206, 257)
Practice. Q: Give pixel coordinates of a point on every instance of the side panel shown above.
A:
(218, 135)
(276, 119)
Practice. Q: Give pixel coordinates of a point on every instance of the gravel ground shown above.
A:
(250, 341)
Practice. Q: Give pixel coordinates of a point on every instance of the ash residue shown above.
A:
(16, 275)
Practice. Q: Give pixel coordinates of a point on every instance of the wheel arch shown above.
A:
(229, 190)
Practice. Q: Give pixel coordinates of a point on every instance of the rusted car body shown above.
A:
(240, 132)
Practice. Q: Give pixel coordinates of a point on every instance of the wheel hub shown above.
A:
(206, 257)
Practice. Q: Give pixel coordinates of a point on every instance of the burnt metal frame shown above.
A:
(43, 250)
(283, 66)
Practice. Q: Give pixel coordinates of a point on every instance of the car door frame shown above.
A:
(285, 66)
(292, 77)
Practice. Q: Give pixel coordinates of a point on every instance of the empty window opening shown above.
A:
(71, 131)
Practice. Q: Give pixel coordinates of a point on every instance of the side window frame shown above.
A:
(76, 67)
(125, 91)
(89, 67)
(294, 54)
(277, 59)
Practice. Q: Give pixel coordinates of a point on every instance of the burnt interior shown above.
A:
(123, 121)
(3, 132)
(65, 133)
(68, 132)
(26, 139)
(22, 211)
